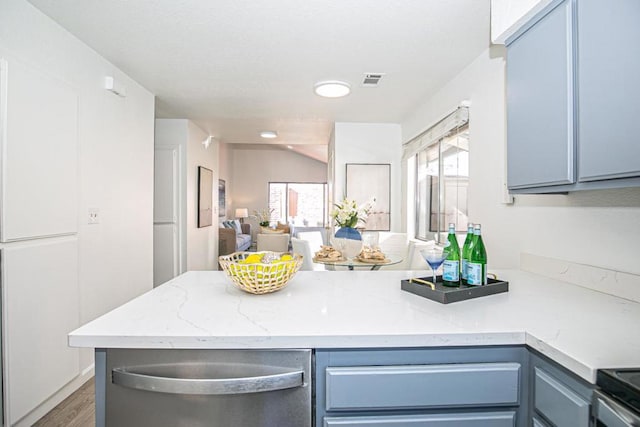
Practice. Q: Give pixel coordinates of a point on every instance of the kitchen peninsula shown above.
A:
(360, 318)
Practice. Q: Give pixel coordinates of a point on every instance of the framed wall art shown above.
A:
(366, 181)
(205, 197)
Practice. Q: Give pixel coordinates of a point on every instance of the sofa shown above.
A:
(233, 237)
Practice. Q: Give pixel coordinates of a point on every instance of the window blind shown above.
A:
(453, 121)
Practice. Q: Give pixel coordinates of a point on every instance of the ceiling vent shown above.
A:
(372, 79)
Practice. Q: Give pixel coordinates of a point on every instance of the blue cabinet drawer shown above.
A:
(537, 422)
(422, 386)
(557, 402)
(486, 419)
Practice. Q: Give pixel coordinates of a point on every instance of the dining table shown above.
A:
(353, 263)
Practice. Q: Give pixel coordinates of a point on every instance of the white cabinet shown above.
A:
(39, 143)
(41, 304)
(38, 235)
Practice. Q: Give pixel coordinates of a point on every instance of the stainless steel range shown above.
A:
(616, 403)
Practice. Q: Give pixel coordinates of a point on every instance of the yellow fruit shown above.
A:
(286, 257)
(253, 259)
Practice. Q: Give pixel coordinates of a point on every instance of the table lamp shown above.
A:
(242, 213)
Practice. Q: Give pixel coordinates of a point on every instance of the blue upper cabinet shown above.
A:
(573, 80)
(540, 137)
(608, 89)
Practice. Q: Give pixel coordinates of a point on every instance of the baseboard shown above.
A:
(33, 416)
(616, 283)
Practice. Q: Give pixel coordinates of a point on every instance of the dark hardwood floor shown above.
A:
(77, 410)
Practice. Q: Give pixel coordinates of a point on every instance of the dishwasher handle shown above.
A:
(207, 386)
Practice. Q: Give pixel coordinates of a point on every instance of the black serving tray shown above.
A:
(446, 294)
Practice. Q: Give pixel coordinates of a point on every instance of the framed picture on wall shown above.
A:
(366, 181)
(205, 197)
(222, 208)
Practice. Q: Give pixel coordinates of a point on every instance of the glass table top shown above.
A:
(354, 263)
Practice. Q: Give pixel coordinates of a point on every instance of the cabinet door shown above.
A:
(608, 89)
(559, 403)
(166, 228)
(41, 301)
(39, 154)
(540, 137)
(422, 386)
(486, 419)
(537, 422)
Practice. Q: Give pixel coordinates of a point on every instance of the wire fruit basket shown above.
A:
(260, 277)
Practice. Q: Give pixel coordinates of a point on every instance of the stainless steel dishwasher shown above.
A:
(214, 388)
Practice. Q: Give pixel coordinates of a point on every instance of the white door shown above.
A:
(166, 230)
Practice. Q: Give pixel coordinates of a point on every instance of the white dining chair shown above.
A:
(301, 247)
(314, 238)
(397, 244)
(273, 242)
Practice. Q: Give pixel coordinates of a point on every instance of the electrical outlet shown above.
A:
(94, 216)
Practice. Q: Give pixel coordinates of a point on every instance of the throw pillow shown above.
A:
(236, 224)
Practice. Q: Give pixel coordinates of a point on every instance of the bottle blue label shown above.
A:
(465, 266)
(451, 271)
(474, 274)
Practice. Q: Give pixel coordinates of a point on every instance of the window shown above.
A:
(300, 204)
(442, 179)
(441, 158)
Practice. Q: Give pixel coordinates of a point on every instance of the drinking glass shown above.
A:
(434, 256)
(370, 240)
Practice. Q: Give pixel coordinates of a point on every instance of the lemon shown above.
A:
(253, 259)
(286, 257)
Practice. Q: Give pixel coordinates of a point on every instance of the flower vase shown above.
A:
(349, 241)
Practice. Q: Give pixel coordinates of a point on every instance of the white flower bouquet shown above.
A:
(348, 214)
(263, 216)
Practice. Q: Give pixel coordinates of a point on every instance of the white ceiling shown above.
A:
(236, 67)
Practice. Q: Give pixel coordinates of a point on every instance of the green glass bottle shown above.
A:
(477, 272)
(451, 265)
(465, 253)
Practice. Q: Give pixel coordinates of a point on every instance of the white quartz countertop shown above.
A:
(581, 329)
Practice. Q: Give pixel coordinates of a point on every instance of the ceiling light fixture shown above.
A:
(269, 134)
(332, 89)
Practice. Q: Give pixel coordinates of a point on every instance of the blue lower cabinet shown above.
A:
(487, 419)
(475, 387)
(559, 403)
(537, 422)
(422, 386)
(558, 396)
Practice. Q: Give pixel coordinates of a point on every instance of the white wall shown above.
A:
(202, 243)
(199, 245)
(252, 170)
(225, 165)
(115, 159)
(370, 143)
(598, 228)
